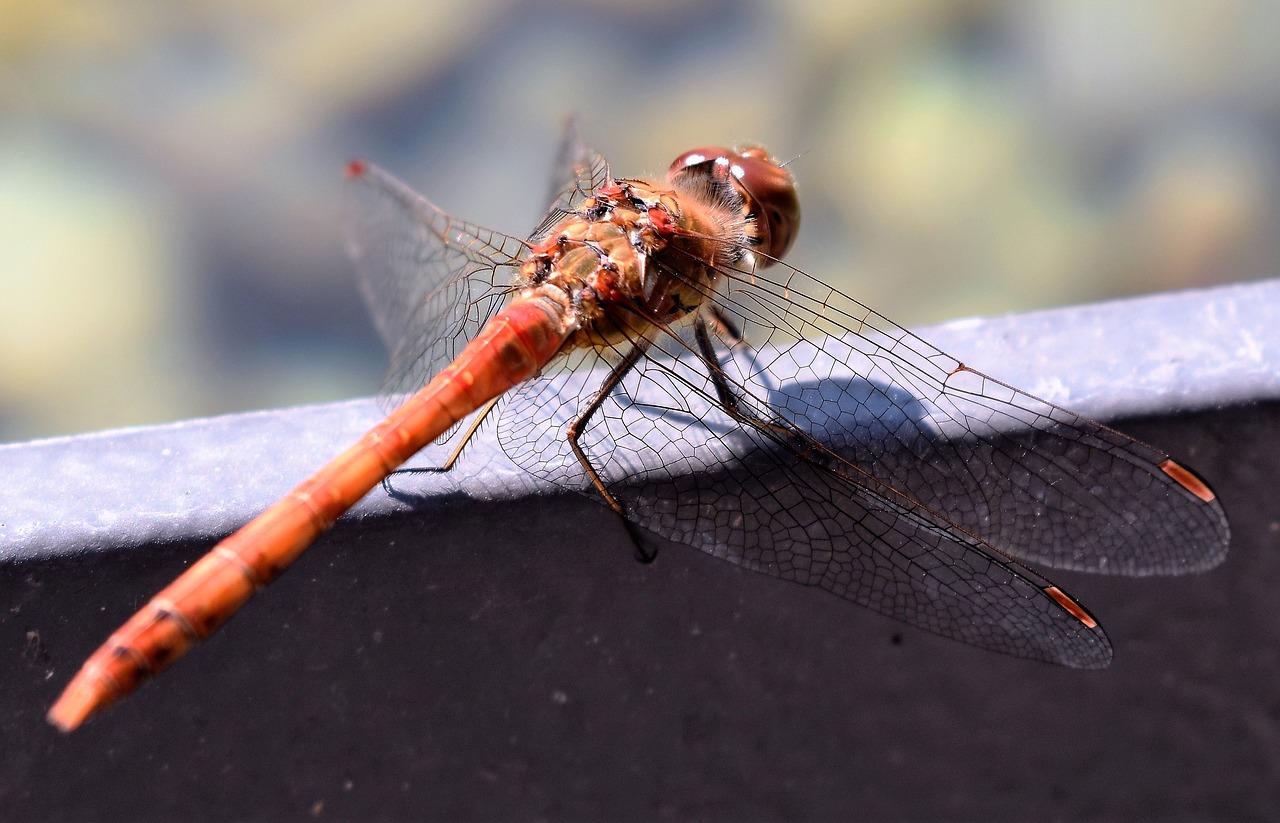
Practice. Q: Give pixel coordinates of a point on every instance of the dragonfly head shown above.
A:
(767, 190)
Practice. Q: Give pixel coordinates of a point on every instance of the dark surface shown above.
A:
(484, 660)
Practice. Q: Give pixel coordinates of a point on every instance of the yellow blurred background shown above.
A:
(170, 173)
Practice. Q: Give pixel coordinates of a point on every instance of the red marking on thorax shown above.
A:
(606, 285)
(661, 220)
(613, 191)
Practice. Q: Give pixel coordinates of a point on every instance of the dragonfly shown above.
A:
(647, 345)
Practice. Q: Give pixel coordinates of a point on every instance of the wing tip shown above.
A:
(356, 168)
(1071, 607)
(1188, 479)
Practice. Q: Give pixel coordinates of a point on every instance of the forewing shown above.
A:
(1032, 479)
(431, 281)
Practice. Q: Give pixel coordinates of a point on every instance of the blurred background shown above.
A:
(170, 174)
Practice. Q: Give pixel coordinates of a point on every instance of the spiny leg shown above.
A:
(729, 402)
(574, 432)
(466, 437)
(463, 441)
(727, 330)
(724, 326)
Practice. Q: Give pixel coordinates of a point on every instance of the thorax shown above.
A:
(633, 259)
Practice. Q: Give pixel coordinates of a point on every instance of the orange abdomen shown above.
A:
(512, 348)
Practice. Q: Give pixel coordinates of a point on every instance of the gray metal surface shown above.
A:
(203, 478)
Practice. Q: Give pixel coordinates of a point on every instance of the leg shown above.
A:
(579, 424)
(466, 436)
(729, 402)
(723, 325)
(725, 328)
(574, 431)
(457, 450)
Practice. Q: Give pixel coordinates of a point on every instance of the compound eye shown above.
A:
(700, 161)
(771, 197)
(767, 190)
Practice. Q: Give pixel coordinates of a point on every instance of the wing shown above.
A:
(782, 514)
(578, 172)
(771, 500)
(914, 425)
(1034, 480)
(431, 281)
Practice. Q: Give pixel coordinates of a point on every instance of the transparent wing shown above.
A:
(431, 281)
(769, 499)
(578, 172)
(782, 514)
(1034, 480)
(909, 424)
